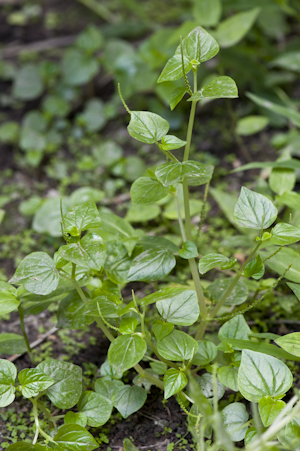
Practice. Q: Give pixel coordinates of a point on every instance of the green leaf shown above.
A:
(12, 344)
(198, 45)
(129, 446)
(292, 163)
(151, 265)
(109, 305)
(237, 296)
(28, 84)
(128, 325)
(174, 382)
(23, 446)
(97, 408)
(282, 180)
(177, 346)
(235, 417)
(250, 125)
(179, 306)
(66, 391)
(207, 352)
(128, 400)
(228, 376)
(147, 127)
(78, 68)
(72, 313)
(290, 199)
(207, 13)
(283, 234)
(170, 142)
(290, 343)
(287, 60)
(149, 242)
(188, 250)
(264, 348)
(72, 437)
(220, 88)
(263, 375)
(206, 384)
(125, 352)
(33, 381)
(143, 213)
(236, 328)
(47, 218)
(176, 97)
(173, 71)
(8, 374)
(8, 302)
(291, 114)
(231, 30)
(38, 273)
(146, 190)
(280, 262)
(295, 287)
(158, 367)
(210, 261)
(269, 409)
(117, 262)
(93, 118)
(82, 217)
(105, 387)
(254, 210)
(75, 418)
(116, 226)
(161, 329)
(89, 252)
(255, 268)
(195, 173)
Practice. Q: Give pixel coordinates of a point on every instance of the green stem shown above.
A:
(22, 323)
(201, 330)
(191, 123)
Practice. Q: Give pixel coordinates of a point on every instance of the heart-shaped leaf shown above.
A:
(72, 437)
(147, 127)
(128, 399)
(254, 210)
(97, 408)
(174, 382)
(219, 88)
(177, 346)
(33, 381)
(125, 352)
(151, 265)
(146, 190)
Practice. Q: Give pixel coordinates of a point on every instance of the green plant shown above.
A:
(87, 274)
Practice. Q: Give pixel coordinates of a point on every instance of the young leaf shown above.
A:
(263, 375)
(234, 28)
(151, 265)
(81, 217)
(235, 416)
(147, 127)
(33, 381)
(180, 307)
(146, 190)
(283, 234)
(269, 409)
(207, 352)
(38, 273)
(282, 180)
(238, 295)
(198, 46)
(174, 382)
(161, 329)
(255, 268)
(177, 346)
(176, 97)
(254, 210)
(74, 438)
(75, 418)
(236, 327)
(173, 71)
(170, 142)
(125, 352)
(66, 391)
(290, 343)
(8, 302)
(220, 88)
(210, 261)
(8, 374)
(228, 376)
(89, 252)
(128, 325)
(128, 399)
(97, 408)
(188, 250)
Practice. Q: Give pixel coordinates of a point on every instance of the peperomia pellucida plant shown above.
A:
(104, 252)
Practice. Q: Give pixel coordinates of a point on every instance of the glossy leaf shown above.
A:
(176, 97)
(282, 180)
(207, 351)
(125, 352)
(269, 409)
(8, 374)
(195, 173)
(128, 325)
(263, 348)
(255, 268)
(220, 88)
(236, 327)
(75, 418)
(262, 375)
(237, 296)
(177, 346)
(147, 127)
(117, 263)
(210, 261)
(174, 382)
(72, 437)
(33, 381)
(170, 142)
(283, 234)
(8, 302)
(228, 376)
(250, 125)
(235, 416)
(82, 217)
(180, 307)
(97, 408)
(198, 45)
(173, 71)
(254, 210)
(116, 226)
(231, 30)
(66, 391)
(128, 399)
(89, 252)
(38, 273)
(151, 265)
(188, 250)
(146, 190)
(290, 343)
(161, 329)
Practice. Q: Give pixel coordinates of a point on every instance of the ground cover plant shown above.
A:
(165, 329)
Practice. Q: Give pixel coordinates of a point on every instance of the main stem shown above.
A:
(22, 323)
(188, 224)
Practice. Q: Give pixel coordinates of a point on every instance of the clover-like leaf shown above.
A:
(34, 381)
(174, 382)
(125, 352)
(253, 210)
(147, 127)
(195, 173)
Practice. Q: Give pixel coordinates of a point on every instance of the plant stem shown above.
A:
(22, 323)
